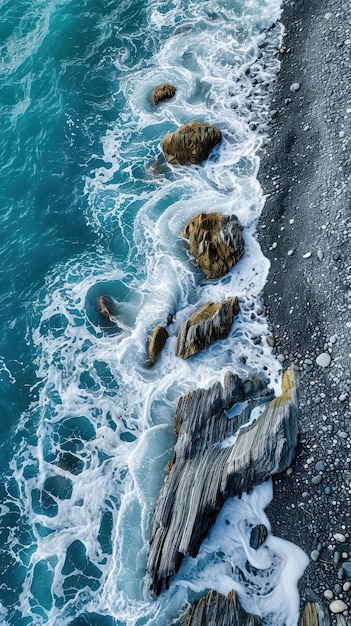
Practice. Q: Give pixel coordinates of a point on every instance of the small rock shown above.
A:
(328, 16)
(328, 491)
(340, 537)
(343, 397)
(315, 555)
(316, 480)
(336, 558)
(274, 113)
(307, 255)
(291, 252)
(346, 586)
(320, 254)
(319, 466)
(323, 359)
(295, 87)
(343, 434)
(162, 92)
(328, 594)
(337, 606)
(337, 588)
(281, 358)
(270, 340)
(258, 536)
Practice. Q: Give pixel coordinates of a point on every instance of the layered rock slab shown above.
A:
(217, 457)
(191, 143)
(157, 342)
(208, 324)
(315, 614)
(215, 609)
(215, 241)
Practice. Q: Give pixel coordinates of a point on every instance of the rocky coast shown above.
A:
(305, 231)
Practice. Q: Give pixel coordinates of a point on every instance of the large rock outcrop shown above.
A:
(190, 144)
(215, 241)
(163, 92)
(211, 322)
(215, 609)
(210, 464)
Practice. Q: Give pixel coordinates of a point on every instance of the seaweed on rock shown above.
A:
(217, 457)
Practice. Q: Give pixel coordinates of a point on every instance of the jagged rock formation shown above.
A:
(211, 322)
(157, 342)
(162, 92)
(315, 614)
(258, 536)
(190, 144)
(215, 241)
(216, 458)
(215, 609)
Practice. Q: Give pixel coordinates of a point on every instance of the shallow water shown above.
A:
(89, 208)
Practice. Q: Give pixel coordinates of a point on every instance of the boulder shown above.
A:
(217, 457)
(215, 241)
(157, 342)
(215, 609)
(190, 144)
(211, 322)
(162, 92)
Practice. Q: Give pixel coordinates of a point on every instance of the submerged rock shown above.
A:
(215, 241)
(315, 614)
(157, 342)
(210, 464)
(215, 609)
(190, 144)
(211, 322)
(163, 92)
(107, 306)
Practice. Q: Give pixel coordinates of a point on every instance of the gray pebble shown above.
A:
(337, 588)
(336, 556)
(315, 555)
(343, 434)
(295, 87)
(316, 480)
(328, 594)
(319, 466)
(281, 358)
(323, 359)
(320, 254)
(328, 491)
(270, 340)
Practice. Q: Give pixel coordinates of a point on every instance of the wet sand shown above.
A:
(305, 231)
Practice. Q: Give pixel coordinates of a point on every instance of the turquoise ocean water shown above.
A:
(89, 208)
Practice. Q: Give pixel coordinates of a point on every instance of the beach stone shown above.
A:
(191, 143)
(316, 480)
(163, 92)
(270, 340)
(328, 594)
(315, 555)
(337, 606)
(323, 359)
(215, 241)
(208, 324)
(215, 608)
(157, 342)
(315, 614)
(319, 466)
(295, 87)
(340, 537)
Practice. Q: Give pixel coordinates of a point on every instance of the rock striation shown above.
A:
(157, 342)
(211, 322)
(315, 614)
(163, 92)
(215, 458)
(215, 609)
(215, 241)
(191, 143)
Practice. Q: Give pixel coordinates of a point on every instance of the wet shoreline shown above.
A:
(305, 231)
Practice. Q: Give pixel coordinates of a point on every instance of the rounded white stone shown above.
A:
(337, 606)
(295, 87)
(323, 359)
(340, 537)
(328, 594)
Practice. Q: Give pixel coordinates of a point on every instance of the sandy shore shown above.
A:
(305, 231)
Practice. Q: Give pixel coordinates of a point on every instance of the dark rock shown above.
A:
(215, 609)
(205, 473)
(107, 306)
(211, 322)
(169, 319)
(162, 92)
(258, 536)
(157, 342)
(190, 144)
(315, 614)
(215, 241)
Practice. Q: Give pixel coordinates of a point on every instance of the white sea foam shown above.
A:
(90, 478)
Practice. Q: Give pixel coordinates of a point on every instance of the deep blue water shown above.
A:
(89, 208)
